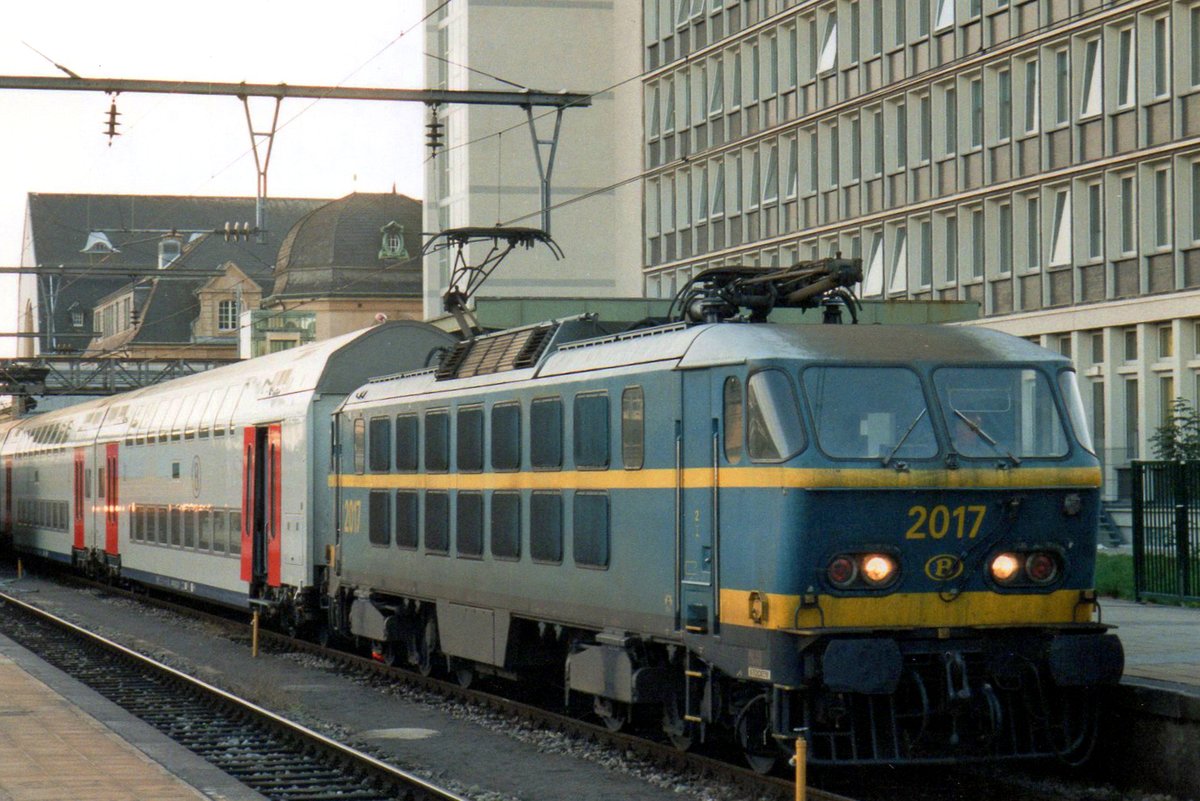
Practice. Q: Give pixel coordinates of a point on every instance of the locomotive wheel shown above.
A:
(753, 730)
(426, 647)
(680, 732)
(613, 714)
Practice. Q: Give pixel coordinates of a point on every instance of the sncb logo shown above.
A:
(943, 567)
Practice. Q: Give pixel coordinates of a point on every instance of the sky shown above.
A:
(53, 141)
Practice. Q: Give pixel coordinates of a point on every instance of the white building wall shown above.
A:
(488, 172)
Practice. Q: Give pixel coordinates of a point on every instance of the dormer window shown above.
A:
(98, 242)
(228, 312)
(392, 244)
(169, 249)
(76, 316)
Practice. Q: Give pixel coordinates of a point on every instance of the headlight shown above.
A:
(1005, 567)
(842, 572)
(878, 569)
(1042, 568)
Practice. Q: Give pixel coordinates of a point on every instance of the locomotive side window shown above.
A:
(773, 430)
(870, 413)
(545, 433)
(380, 457)
(437, 522)
(437, 441)
(733, 420)
(545, 527)
(406, 443)
(1000, 412)
(506, 525)
(633, 428)
(591, 529)
(506, 436)
(469, 451)
(406, 519)
(469, 531)
(360, 436)
(379, 522)
(591, 430)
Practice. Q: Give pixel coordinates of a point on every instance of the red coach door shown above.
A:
(111, 502)
(77, 496)
(262, 495)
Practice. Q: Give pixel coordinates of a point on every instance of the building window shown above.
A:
(1060, 249)
(1162, 207)
(1033, 234)
(978, 238)
(1062, 88)
(1166, 342)
(1162, 57)
(771, 175)
(926, 231)
(926, 116)
(1132, 434)
(1098, 347)
(951, 250)
(873, 280)
(1004, 124)
(828, 58)
(1032, 96)
(854, 32)
(901, 136)
(1005, 235)
(1128, 214)
(1090, 88)
(855, 149)
(1131, 344)
(899, 282)
(1127, 69)
(945, 15)
(228, 312)
(877, 124)
(951, 118)
(976, 112)
(1095, 222)
(716, 98)
(1194, 19)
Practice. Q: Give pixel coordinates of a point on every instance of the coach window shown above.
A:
(99, 481)
(437, 441)
(545, 434)
(380, 459)
(734, 425)
(220, 524)
(406, 443)
(176, 525)
(205, 530)
(360, 436)
(235, 531)
(591, 430)
(379, 531)
(406, 519)
(545, 527)
(633, 428)
(469, 451)
(189, 528)
(469, 531)
(437, 523)
(506, 436)
(591, 529)
(506, 525)
(162, 518)
(773, 431)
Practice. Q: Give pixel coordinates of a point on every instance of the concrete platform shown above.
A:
(1162, 643)
(60, 739)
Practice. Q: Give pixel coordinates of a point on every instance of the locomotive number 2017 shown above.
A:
(352, 517)
(939, 521)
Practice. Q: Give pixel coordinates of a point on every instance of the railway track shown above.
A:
(700, 766)
(276, 757)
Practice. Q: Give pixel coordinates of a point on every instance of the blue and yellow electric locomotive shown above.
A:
(881, 538)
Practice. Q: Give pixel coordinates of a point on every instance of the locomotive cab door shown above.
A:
(697, 546)
(261, 501)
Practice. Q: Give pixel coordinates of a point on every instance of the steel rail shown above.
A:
(393, 775)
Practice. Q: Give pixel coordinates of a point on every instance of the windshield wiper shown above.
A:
(983, 435)
(888, 459)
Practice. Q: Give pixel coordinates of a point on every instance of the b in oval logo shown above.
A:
(944, 567)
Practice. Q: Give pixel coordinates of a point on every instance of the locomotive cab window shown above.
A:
(773, 429)
(591, 431)
(633, 428)
(870, 413)
(380, 456)
(1000, 413)
(545, 433)
(406, 443)
(734, 426)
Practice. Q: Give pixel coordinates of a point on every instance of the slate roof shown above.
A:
(59, 225)
(334, 251)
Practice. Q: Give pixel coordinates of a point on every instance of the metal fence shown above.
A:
(1166, 530)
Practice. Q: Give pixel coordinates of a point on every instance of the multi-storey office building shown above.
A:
(1039, 157)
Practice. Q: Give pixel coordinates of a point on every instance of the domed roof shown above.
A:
(362, 245)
